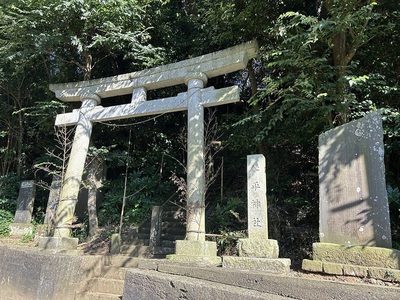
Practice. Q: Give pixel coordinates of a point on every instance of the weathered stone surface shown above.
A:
(257, 198)
(277, 265)
(116, 243)
(34, 275)
(258, 248)
(352, 270)
(312, 265)
(353, 199)
(292, 287)
(384, 274)
(42, 230)
(204, 252)
(20, 229)
(145, 284)
(332, 268)
(213, 64)
(194, 248)
(357, 255)
(62, 243)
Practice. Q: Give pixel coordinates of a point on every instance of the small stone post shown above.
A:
(257, 251)
(155, 227)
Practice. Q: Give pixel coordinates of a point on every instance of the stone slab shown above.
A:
(195, 248)
(278, 265)
(312, 265)
(258, 248)
(357, 271)
(333, 268)
(146, 284)
(354, 208)
(385, 274)
(27, 273)
(357, 255)
(58, 243)
(20, 229)
(289, 286)
(195, 259)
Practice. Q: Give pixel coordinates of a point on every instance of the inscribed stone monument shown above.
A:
(257, 197)
(23, 215)
(354, 207)
(355, 236)
(258, 244)
(257, 252)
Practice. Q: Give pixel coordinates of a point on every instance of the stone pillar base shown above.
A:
(204, 252)
(359, 261)
(58, 243)
(273, 265)
(42, 230)
(20, 229)
(258, 248)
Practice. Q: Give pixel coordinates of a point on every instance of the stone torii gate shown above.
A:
(194, 73)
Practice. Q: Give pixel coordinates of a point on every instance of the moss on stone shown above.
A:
(357, 255)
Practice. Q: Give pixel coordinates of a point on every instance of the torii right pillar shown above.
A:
(195, 247)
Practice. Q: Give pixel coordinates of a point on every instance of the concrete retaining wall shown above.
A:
(39, 275)
(146, 284)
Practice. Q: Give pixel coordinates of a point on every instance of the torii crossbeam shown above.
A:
(193, 72)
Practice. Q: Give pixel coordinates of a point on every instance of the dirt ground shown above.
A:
(101, 246)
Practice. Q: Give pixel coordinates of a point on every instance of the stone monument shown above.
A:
(257, 251)
(354, 212)
(194, 73)
(23, 215)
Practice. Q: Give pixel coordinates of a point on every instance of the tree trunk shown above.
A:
(20, 141)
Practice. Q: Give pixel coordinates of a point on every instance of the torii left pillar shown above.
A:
(72, 180)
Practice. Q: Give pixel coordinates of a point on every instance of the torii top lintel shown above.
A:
(213, 64)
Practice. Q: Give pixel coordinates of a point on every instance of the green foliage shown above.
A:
(227, 216)
(142, 192)
(227, 242)
(9, 185)
(28, 237)
(6, 218)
